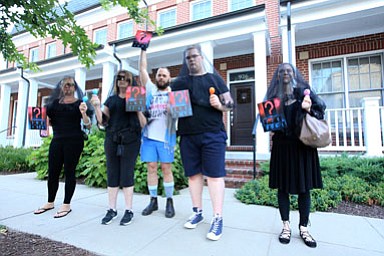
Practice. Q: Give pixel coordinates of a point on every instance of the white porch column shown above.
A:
(372, 132)
(207, 51)
(260, 60)
(32, 136)
(80, 77)
(21, 114)
(284, 41)
(5, 100)
(108, 74)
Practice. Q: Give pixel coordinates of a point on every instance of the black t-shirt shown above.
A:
(65, 119)
(205, 117)
(118, 118)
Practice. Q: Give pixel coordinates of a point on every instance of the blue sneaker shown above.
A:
(216, 229)
(195, 219)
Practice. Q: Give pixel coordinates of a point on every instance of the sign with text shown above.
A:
(272, 115)
(142, 39)
(37, 118)
(180, 104)
(135, 99)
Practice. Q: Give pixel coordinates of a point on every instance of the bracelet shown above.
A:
(87, 123)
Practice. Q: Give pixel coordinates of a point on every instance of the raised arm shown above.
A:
(144, 76)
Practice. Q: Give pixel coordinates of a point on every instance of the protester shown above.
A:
(65, 111)
(294, 167)
(159, 136)
(203, 136)
(122, 144)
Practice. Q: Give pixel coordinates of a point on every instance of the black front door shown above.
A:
(242, 116)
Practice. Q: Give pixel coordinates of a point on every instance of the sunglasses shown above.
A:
(193, 56)
(69, 84)
(123, 78)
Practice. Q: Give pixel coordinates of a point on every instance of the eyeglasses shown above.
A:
(69, 84)
(123, 78)
(193, 56)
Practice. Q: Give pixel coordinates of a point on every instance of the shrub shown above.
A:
(92, 165)
(14, 159)
(355, 179)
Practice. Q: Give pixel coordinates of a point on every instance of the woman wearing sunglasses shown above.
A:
(122, 144)
(65, 111)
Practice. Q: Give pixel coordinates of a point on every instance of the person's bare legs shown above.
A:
(166, 168)
(152, 178)
(216, 187)
(128, 196)
(112, 197)
(196, 183)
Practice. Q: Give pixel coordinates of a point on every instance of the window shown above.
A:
(3, 62)
(100, 36)
(235, 5)
(124, 29)
(50, 50)
(364, 78)
(34, 54)
(201, 10)
(167, 18)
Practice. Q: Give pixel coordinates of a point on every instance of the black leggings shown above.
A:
(63, 152)
(304, 201)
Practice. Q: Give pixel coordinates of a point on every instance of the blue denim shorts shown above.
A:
(155, 151)
(204, 153)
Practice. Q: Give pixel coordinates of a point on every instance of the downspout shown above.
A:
(289, 32)
(114, 55)
(26, 108)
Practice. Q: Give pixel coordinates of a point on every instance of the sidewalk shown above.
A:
(248, 229)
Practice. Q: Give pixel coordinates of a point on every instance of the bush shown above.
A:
(92, 165)
(355, 179)
(14, 159)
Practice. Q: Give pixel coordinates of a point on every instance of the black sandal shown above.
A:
(285, 236)
(307, 238)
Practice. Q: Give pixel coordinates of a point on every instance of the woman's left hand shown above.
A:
(83, 108)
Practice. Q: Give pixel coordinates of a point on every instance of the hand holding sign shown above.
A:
(142, 39)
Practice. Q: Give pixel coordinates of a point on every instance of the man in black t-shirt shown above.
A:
(203, 137)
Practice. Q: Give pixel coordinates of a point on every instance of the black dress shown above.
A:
(294, 167)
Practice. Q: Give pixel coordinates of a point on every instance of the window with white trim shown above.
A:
(124, 29)
(34, 54)
(201, 9)
(343, 82)
(100, 36)
(50, 50)
(235, 5)
(13, 125)
(167, 18)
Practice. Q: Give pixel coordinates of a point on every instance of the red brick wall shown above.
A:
(338, 47)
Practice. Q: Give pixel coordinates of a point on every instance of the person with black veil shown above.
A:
(121, 145)
(203, 136)
(294, 167)
(67, 113)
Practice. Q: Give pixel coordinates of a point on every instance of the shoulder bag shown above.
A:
(315, 132)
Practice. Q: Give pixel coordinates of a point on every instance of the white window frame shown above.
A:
(166, 11)
(47, 50)
(194, 4)
(129, 22)
(345, 79)
(230, 2)
(34, 52)
(104, 29)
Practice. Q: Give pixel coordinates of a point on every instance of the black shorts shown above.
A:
(204, 153)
